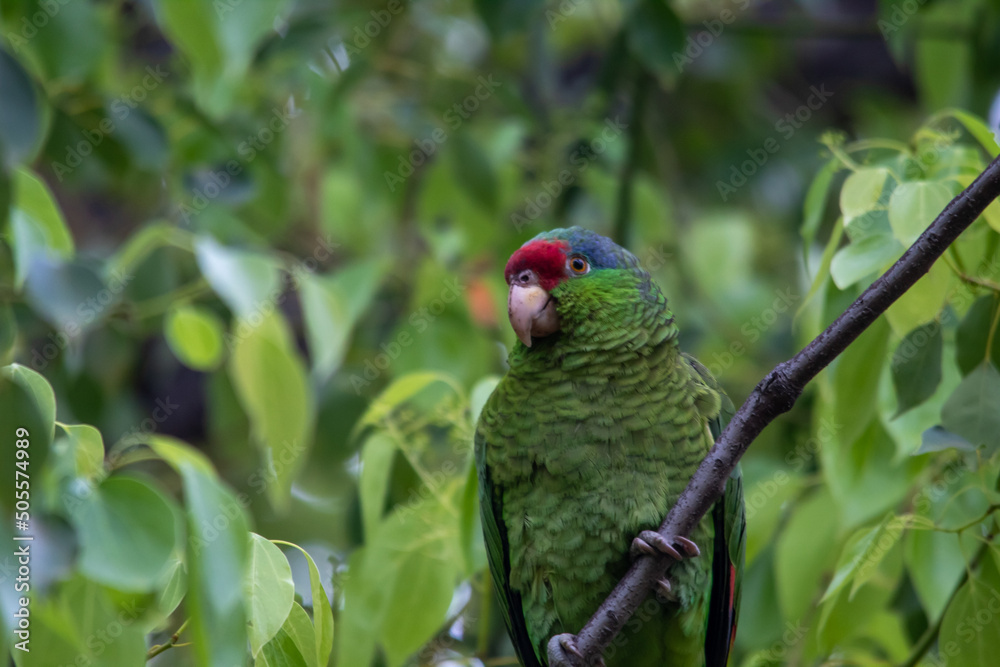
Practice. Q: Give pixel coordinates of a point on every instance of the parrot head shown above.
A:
(565, 276)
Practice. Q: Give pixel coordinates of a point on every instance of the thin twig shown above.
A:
(172, 642)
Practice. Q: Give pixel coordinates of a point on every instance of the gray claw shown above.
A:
(689, 547)
(665, 590)
(563, 652)
(651, 542)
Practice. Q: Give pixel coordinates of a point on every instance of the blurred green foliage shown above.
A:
(251, 279)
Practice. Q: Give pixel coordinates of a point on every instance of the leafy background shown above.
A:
(251, 279)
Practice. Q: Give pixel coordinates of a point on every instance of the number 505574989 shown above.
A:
(21, 477)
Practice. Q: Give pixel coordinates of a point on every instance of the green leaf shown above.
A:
(172, 587)
(864, 191)
(865, 475)
(916, 366)
(194, 335)
(936, 563)
(913, 207)
(327, 325)
(399, 392)
(470, 525)
(87, 449)
(247, 282)
(815, 202)
(20, 114)
(976, 127)
(69, 295)
(377, 455)
(40, 393)
(218, 541)
(968, 630)
(863, 553)
(37, 225)
(292, 645)
(823, 272)
(856, 377)
(771, 493)
(844, 616)
(270, 591)
(481, 393)
(971, 411)
(937, 439)
(141, 244)
(805, 548)
(398, 586)
(271, 384)
(973, 332)
(863, 258)
(655, 37)
(322, 613)
(8, 330)
(429, 566)
(143, 136)
(219, 40)
(81, 625)
(71, 42)
(127, 532)
(923, 302)
(332, 306)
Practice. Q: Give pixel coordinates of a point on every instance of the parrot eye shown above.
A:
(578, 265)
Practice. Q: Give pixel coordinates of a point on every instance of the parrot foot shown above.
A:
(651, 542)
(665, 590)
(563, 652)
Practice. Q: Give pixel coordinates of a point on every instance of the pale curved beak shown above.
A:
(532, 312)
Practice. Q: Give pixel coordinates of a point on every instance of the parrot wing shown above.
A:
(498, 555)
(729, 550)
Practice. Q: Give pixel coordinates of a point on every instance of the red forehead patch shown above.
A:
(546, 258)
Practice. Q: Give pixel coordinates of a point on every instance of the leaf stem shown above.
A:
(966, 278)
(986, 515)
(160, 648)
(160, 304)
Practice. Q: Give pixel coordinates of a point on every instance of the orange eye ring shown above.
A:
(578, 265)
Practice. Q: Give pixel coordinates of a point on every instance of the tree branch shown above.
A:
(776, 394)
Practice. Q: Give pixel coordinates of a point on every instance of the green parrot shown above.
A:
(584, 446)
